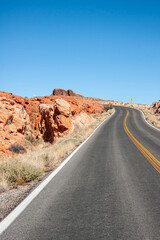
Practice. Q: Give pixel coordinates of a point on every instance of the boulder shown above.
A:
(82, 120)
(61, 107)
(55, 120)
(156, 107)
(62, 117)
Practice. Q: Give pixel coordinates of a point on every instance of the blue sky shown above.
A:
(106, 49)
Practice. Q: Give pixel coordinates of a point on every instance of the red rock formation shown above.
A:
(71, 93)
(55, 120)
(62, 92)
(31, 107)
(62, 117)
(156, 107)
(47, 122)
(14, 124)
(59, 92)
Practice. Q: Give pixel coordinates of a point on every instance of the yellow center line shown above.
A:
(143, 150)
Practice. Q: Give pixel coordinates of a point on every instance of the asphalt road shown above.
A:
(108, 190)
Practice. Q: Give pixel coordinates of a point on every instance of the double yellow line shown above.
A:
(144, 151)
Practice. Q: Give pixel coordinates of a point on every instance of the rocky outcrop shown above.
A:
(22, 114)
(55, 120)
(82, 120)
(62, 92)
(14, 124)
(156, 107)
(62, 117)
(47, 122)
(31, 106)
(59, 92)
(71, 93)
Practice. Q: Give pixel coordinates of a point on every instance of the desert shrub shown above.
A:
(8, 122)
(46, 160)
(30, 173)
(99, 111)
(17, 148)
(107, 107)
(30, 138)
(14, 170)
(95, 116)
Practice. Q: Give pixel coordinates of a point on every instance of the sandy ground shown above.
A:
(10, 199)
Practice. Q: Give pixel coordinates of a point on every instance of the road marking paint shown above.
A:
(7, 221)
(155, 163)
(156, 128)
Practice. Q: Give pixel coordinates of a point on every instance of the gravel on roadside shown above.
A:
(10, 199)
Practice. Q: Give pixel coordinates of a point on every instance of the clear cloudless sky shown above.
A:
(100, 48)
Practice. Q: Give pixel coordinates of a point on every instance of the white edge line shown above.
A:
(7, 221)
(147, 121)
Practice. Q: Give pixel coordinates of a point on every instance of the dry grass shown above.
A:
(33, 165)
(15, 170)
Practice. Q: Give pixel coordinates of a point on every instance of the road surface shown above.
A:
(108, 190)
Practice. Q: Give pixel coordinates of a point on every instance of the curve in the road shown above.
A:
(143, 150)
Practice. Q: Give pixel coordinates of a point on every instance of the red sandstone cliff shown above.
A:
(49, 117)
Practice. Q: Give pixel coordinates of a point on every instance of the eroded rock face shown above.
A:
(55, 120)
(18, 114)
(156, 107)
(31, 106)
(58, 120)
(62, 92)
(62, 117)
(47, 122)
(14, 123)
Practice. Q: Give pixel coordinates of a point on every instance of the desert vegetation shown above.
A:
(108, 106)
(21, 169)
